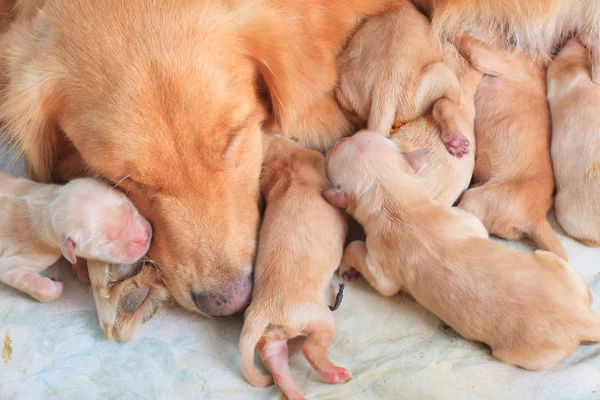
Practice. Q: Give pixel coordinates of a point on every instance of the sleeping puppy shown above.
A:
(536, 26)
(300, 247)
(532, 309)
(443, 176)
(393, 70)
(513, 168)
(84, 218)
(574, 104)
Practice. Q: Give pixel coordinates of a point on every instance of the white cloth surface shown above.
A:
(394, 348)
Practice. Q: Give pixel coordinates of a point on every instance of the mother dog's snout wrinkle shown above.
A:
(230, 300)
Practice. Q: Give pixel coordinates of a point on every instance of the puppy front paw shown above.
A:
(347, 272)
(126, 296)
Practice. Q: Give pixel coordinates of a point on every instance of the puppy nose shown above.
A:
(231, 299)
(143, 235)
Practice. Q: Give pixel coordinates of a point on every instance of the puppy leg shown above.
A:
(356, 260)
(487, 60)
(315, 350)
(273, 351)
(535, 360)
(440, 88)
(29, 281)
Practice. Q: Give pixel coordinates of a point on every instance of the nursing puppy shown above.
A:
(300, 247)
(536, 26)
(532, 309)
(443, 176)
(392, 69)
(513, 168)
(84, 218)
(574, 104)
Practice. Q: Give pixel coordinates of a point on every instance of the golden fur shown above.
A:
(392, 69)
(574, 104)
(532, 309)
(301, 244)
(513, 168)
(168, 99)
(443, 176)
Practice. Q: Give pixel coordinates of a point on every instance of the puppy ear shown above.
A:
(67, 249)
(416, 158)
(336, 197)
(295, 69)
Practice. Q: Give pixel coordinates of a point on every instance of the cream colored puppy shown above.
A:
(392, 69)
(513, 168)
(574, 104)
(300, 247)
(443, 176)
(84, 218)
(532, 309)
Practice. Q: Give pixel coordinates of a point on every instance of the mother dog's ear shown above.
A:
(26, 101)
(295, 69)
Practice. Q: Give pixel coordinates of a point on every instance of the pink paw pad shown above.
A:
(337, 375)
(457, 145)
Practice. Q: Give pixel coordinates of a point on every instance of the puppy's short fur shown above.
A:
(392, 69)
(300, 247)
(532, 309)
(443, 176)
(513, 168)
(84, 218)
(536, 26)
(574, 104)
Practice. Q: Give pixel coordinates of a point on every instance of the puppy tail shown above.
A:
(253, 330)
(591, 332)
(545, 238)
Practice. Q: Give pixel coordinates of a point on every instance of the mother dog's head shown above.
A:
(166, 99)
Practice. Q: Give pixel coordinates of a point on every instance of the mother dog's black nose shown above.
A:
(233, 298)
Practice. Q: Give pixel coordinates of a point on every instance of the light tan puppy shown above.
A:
(443, 176)
(513, 168)
(85, 218)
(536, 26)
(574, 104)
(300, 247)
(392, 69)
(532, 309)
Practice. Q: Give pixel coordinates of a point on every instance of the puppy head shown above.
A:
(99, 223)
(358, 164)
(176, 122)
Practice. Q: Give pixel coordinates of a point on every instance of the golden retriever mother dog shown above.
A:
(167, 100)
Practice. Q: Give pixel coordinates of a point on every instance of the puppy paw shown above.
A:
(337, 375)
(457, 144)
(126, 296)
(346, 272)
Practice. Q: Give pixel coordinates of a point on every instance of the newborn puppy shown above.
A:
(513, 168)
(84, 218)
(443, 176)
(392, 69)
(126, 296)
(532, 309)
(574, 104)
(300, 247)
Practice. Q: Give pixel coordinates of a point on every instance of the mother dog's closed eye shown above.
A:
(164, 97)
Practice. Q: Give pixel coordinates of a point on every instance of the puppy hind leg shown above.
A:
(534, 359)
(546, 239)
(273, 351)
(315, 350)
(29, 281)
